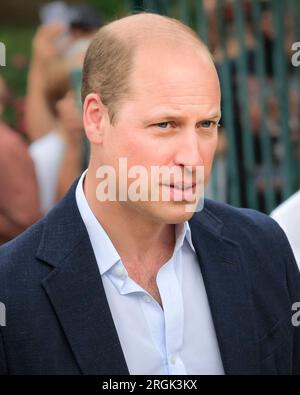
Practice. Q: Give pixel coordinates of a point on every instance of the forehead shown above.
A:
(175, 74)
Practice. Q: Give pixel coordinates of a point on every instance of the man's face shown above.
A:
(170, 120)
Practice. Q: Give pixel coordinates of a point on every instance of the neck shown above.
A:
(135, 237)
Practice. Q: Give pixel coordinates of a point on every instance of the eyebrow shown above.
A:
(176, 115)
(214, 116)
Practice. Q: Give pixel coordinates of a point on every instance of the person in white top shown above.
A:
(288, 217)
(57, 155)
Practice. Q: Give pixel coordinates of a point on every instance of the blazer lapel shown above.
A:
(227, 286)
(76, 292)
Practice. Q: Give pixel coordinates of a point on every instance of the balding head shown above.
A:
(145, 27)
(110, 58)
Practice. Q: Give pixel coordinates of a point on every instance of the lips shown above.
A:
(182, 187)
(180, 193)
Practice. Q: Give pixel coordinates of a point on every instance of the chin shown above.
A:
(173, 213)
(169, 213)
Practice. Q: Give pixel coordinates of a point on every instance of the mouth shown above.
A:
(179, 192)
(181, 186)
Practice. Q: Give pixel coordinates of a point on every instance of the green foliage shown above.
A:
(17, 41)
(111, 9)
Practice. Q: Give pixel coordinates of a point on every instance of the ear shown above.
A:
(94, 118)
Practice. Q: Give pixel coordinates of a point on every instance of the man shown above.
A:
(19, 199)
(105, 286)
(288, 217)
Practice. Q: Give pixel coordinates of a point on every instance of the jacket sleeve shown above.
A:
(293, 283)
(293, 278)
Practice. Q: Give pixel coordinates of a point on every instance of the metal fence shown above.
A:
(258, 162)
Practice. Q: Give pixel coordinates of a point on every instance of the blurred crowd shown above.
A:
(264, 106)
(48, 150)
(40, 160)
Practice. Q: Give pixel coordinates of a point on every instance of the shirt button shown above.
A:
(147, 299)
(119, 271)
(173, 359)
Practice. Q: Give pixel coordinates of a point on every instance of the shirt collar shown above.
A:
(182, 234)
(104, 250)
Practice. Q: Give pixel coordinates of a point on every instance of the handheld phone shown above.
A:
(55, 12)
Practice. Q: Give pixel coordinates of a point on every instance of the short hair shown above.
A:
(109, 59)
(106, 69)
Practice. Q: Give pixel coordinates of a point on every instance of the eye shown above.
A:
(163, 125)
(208, 124)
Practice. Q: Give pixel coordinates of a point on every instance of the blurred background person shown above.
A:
(53, 117)
(63, 36)
(288, 217)
(19, 199)
(58, 155)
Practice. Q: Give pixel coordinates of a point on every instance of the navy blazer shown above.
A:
(59, 322)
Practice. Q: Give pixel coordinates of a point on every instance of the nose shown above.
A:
(189, 151)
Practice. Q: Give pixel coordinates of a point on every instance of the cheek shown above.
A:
(208, 153)
(213, 148)
(137, 149)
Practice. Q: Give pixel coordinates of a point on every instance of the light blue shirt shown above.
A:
(178, 339)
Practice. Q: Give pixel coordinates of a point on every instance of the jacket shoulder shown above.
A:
(17, 257)
(245, 218)
(26, 241)
(250, 228)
